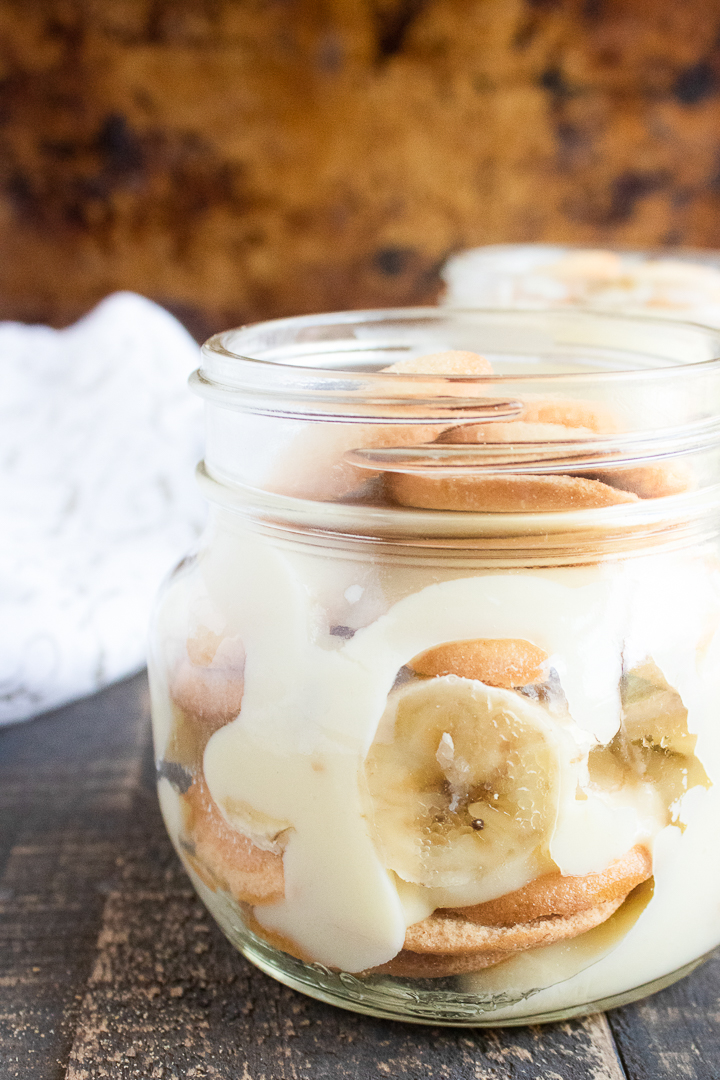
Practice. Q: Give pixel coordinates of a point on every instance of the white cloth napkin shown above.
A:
(99, 437)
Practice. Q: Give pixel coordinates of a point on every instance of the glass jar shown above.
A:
(435, 701)
(682, 285)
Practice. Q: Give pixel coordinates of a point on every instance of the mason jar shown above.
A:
(435, 700)
(682, 285)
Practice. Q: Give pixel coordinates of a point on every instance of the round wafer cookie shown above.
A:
(208, 685)
(449, 362)
(450, 946)
(543, 421)
(504, 662)
(647, 481)
(650, 481)
(225, 858)
(502, 494)
(570, 413)
(314, 465)
(553, 894)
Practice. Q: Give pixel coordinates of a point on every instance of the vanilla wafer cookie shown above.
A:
(225, 858)
(314, 467)
(443, 945)
(208, 685)
(555, 895)
(502, 494)
(506, 662)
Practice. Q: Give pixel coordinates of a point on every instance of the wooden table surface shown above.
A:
(110, 967)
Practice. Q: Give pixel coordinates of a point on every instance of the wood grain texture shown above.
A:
(243, 160)
(110, 967)
(67, 783)
(690, 1010)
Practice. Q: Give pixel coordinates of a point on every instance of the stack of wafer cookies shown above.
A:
(541, 422)
(321, 462)
(552, 908)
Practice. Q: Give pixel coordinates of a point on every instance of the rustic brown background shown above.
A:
(236, 159)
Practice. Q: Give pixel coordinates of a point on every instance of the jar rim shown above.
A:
(656, 380)
(225, 364)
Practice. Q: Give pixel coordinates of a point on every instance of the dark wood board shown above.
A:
(110, 967)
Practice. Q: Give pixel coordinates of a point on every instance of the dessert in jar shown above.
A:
(684, 285)
(435, 700)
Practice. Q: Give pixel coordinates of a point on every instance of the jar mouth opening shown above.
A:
(635, 391)
(646, 347)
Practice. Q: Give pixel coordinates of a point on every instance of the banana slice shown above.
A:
(265, 832)
(463, 784)
(653, 749)
(653, 712)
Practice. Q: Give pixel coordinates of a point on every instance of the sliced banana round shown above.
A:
(463, 785)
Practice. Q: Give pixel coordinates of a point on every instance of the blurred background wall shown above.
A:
(240, 159)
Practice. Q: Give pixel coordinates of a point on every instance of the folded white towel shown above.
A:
(99, 437)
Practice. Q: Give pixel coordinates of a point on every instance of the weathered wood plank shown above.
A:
(675, 1033)
(67, 782)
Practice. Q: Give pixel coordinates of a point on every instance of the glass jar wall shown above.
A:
(435, 701)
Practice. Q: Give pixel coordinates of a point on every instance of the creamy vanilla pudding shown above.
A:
(435, 702)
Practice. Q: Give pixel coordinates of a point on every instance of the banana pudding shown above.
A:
(436, 734)
(675, 286)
